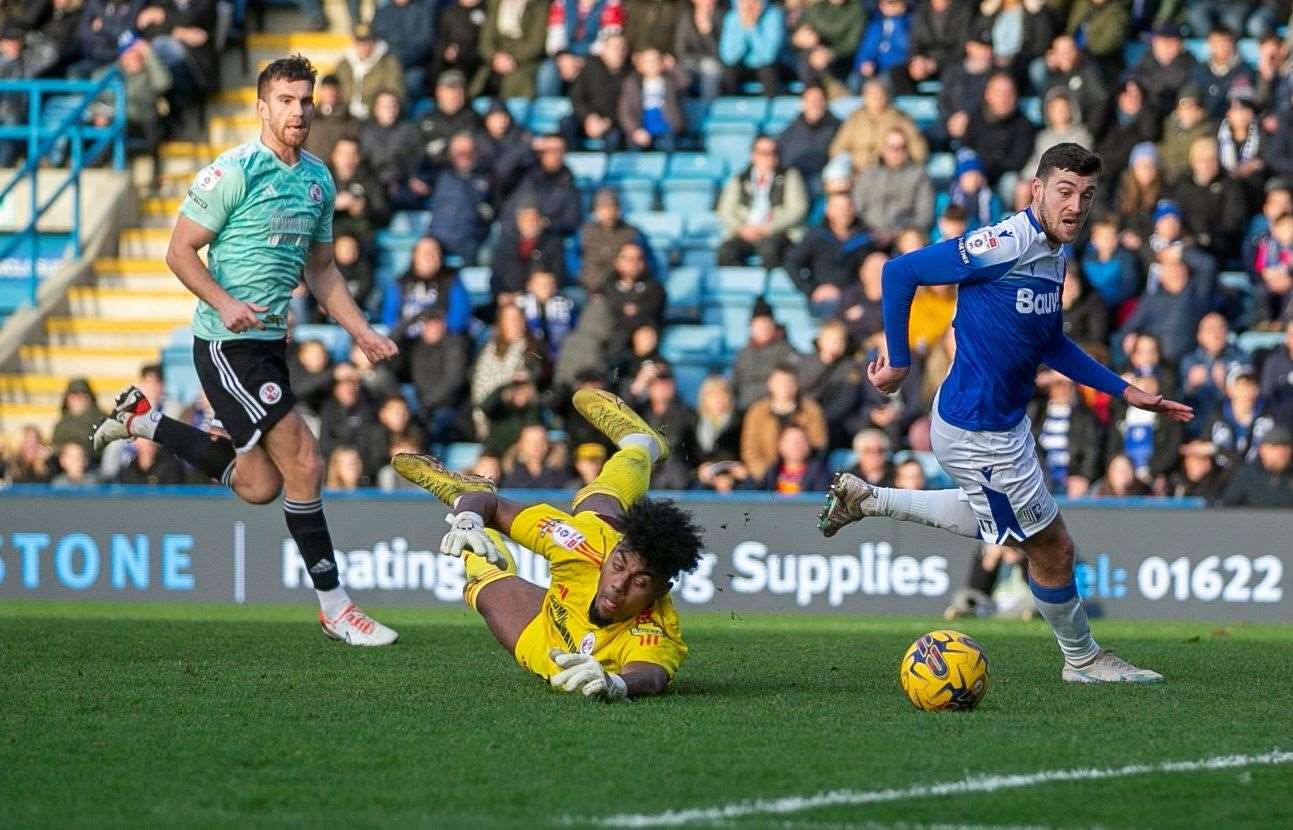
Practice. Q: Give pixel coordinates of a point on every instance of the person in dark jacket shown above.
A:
(805, 142)
(450, 115)
(601, 238)
(650, 24)
(650, 107)
(1213, 205)
(311, 372)
(460, 201)
(361, 205)
(798, 469)
(1085, 315)
(835, 378)
(408, 27)
(551, 184)
(182, 34)
(635, 297)
(151, 464)
(1267, 481)
(1069, 437)
(102, 24)
(860, 304)
(1172, 312)
(998, 131)
(437, 364)
(503, 150)
(391, 146)
(1166, 66)
(1199, 476)
(1133, 121)
(826, 260)
(346, 413)
(525, 246)
(1221, 72)
(332, 119)
(427, 285)
(457, 38)
(1277, 371)
(963, 85)
(508, 410)
(661, 408)
(531, 464)
(937, 36)
(595, 98)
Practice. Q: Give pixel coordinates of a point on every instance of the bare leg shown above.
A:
(508, 606)
(1050, 576)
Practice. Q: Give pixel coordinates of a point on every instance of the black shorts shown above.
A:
(247, 383)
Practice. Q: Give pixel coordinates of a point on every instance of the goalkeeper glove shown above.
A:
(467, 531)
(582, 672)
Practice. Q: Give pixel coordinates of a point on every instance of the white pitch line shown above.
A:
(970, 784)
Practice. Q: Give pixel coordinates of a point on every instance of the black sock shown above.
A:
(982, 579)
(212, 454)
(310, 530)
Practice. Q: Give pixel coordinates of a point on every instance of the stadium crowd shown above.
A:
(1197, 184)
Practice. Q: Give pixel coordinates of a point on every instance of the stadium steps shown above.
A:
(139, 243)
(95, 301)
(79, 361)
(16, 415)
(47, 390)
(112, 332)
(137, 274)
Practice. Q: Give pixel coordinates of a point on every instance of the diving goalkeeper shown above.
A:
(606, 626)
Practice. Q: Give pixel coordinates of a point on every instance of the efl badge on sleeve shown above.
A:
(981, 242)
(316, 193)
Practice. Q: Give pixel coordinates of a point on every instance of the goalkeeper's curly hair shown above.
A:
(664, 536)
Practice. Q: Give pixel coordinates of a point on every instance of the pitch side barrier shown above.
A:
(1145, 558)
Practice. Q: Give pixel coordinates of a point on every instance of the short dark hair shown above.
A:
(294, 68)
(151, 370)
(1068, 156)
(664, 536)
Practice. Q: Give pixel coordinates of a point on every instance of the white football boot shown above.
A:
(353, 627)
(848, 500)
(130, 403)
(1107, 667)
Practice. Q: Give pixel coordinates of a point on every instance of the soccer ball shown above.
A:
(944, 670)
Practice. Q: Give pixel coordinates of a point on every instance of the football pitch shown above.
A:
(120, 715)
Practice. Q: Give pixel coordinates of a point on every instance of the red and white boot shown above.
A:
(130, 404)
(353, 627)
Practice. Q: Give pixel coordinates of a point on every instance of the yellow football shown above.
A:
(944, 670)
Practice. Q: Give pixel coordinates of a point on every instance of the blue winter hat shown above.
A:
(1144, 149)
(966, 161)
(1166, 207)
(126, 40)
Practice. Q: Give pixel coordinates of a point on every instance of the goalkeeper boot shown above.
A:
(430, 473)
(848, 500)
(353, 627)
(1107, 667)
(616, 419)
(129, 404)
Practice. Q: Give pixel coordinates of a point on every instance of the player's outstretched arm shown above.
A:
(1141, 399)
(584, 674)
(182, 258)
(329, 288)
(1068, 358)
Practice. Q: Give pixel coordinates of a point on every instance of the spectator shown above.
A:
(833, 376)
(377, 381)
(488, 466)
(1063, 123)
(361, 206)
(146, 80)
(825, 38)
(1198, 475)
(650, 109)
(759, 206)
(650, 24)
(589, 461)
(695, 48)
(55, 35)
(999, 132)
(1100, 27)
(99, 35)
(437, 363)
(511, 48)
(1133, 123)
(345, 470)
(356, 271)
(1108, 267)
(388, 480)
(311, 373)
(1068, 435)
(964, 84)
(1277, 372)
(1212, 204)
(1020, 31)
(635, 297)
(805, 142)
(1152, 442)
(752, 37)
(457, 39)
(1145, 357)
(1203, 371)
(346, 414)
(577, 30)
(970, 193)
(1085, 315)
(1266, 481)
(427, 285)
(80, 414)
(366, 69)
(718, 425)
(601, 238)
(394, 419)
(908, 474)
(504, 149)
(764, 351)
(894, 194)
(1243, 419)
(1065, 67)
(450, 116)
(74, 464)
(332, 119)
(783, 406)
(1119, 481)
(937, 35)
(668, 415)
(797, 468)
(549, 314)
(1277, 201)
(1268, 77)
(860, 307)
(180, 32)
(872, 461)
(508, 410)
(585, 354)
(407, 27)
(28, 462)
(17, 63)
(826, 260)
(1171, 313)
(596, 96)
(1223, 71)
(390, 145)
(460, 201)
(863, 134)
(1243, 147)
(1187, 123)
(638, 364)
(885, 43)
(1273, 263)
(507, 353)
(532, 462)
(551, 184)
(1165, 67)
(525, 246)
(1139, 194)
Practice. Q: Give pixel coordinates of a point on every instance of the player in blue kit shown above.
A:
(1008, 323)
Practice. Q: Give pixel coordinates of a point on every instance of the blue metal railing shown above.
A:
(42, 139)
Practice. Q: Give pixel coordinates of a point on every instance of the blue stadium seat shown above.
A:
(703, 229)
(801, 328)
(661, 228)
(732, 148)
(685, 196)
(780, 286)
(841, 459)
(929, 87)
(589, 168)
(476, 280)
(683, 288)
(844, 106)
(179, 374)
(545, 114)
(751, 110)
(693, 114)
(691, 343)
(923, 109)
(941, 167)
(519, 107)
(1198, 47)
(1248, 48)
(1031, 107)
(782, 110)
(736, 282)
(695, 166)
(688, 377)
(733, 317)
(635, 194)
(628, 166)
(702, 258)
(1255, 341)
(334, 338)
(461, 456)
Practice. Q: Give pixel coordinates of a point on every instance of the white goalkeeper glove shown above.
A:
(582, 673)
(467, 531)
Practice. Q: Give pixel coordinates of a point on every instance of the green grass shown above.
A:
(203, 716)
